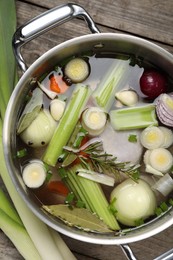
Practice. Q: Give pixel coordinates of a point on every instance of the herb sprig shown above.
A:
(102, 162)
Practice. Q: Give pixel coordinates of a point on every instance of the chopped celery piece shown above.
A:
(67, 124)
(92, 195)
(115, 77)
(133, 117)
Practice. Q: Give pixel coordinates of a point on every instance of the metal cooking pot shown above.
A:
(107, 42)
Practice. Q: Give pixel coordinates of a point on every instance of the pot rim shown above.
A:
(158, 226)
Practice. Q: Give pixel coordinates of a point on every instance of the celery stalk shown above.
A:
(117, 75)
(133, 117)
(92, 195)
(67, 124)
(18, 235)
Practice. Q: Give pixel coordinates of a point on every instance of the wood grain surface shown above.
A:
(150, 19)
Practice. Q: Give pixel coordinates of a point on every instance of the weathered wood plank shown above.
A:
(152, 19)
(62, 33)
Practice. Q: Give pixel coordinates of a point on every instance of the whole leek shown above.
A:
(30, 235)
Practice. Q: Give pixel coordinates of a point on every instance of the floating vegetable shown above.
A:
(67, 123)
(94, 120)
(57, 84)
(97, 177)
(57, 108)
(49, 93)
(77, 70)
(116, 76)
(153, 83)
(40, 130)
(133, 117)
(133, 201)
(159, 159)
(31, 110)
(164, 109)
(152, 137)
(58, 187)
(168, 136)
(78, 217)
(53, 84)
(127, 97)
(90, 193)
(164, 185)
(34, 174)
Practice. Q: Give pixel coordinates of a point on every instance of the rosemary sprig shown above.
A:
(101, 161)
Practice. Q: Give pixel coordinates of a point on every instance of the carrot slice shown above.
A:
(58, 187)
(57, 84)
(53, 84)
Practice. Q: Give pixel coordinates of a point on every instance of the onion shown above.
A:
(40, 131)
(133, 201)
(164, 109)
(153, 83)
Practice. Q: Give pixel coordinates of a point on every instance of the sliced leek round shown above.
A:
(168, 136)
(94, 120)
(34, 174)
(161, 159)
(152, 137)
(77, 70)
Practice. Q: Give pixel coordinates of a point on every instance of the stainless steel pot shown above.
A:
(108, 42)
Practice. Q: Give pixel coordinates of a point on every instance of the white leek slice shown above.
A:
(34, 174)
(77, 70)
(94, 120)
(152, 137)
(161, 159)
(150, 169)
(97, 177)
(168, 136)
(164, 185)
(57, 108)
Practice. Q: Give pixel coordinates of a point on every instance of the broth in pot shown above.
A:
(94, 142)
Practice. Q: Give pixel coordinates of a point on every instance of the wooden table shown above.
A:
(150, 19)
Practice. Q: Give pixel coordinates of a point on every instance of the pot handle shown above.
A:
(45, 22)
(128, 252)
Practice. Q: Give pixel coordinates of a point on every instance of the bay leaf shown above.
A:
(31, 110)
(78, 217)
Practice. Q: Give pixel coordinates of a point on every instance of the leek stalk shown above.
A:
(30, 235)
(133, 117)
(7, 64)
(11, 225)
(67, 124)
